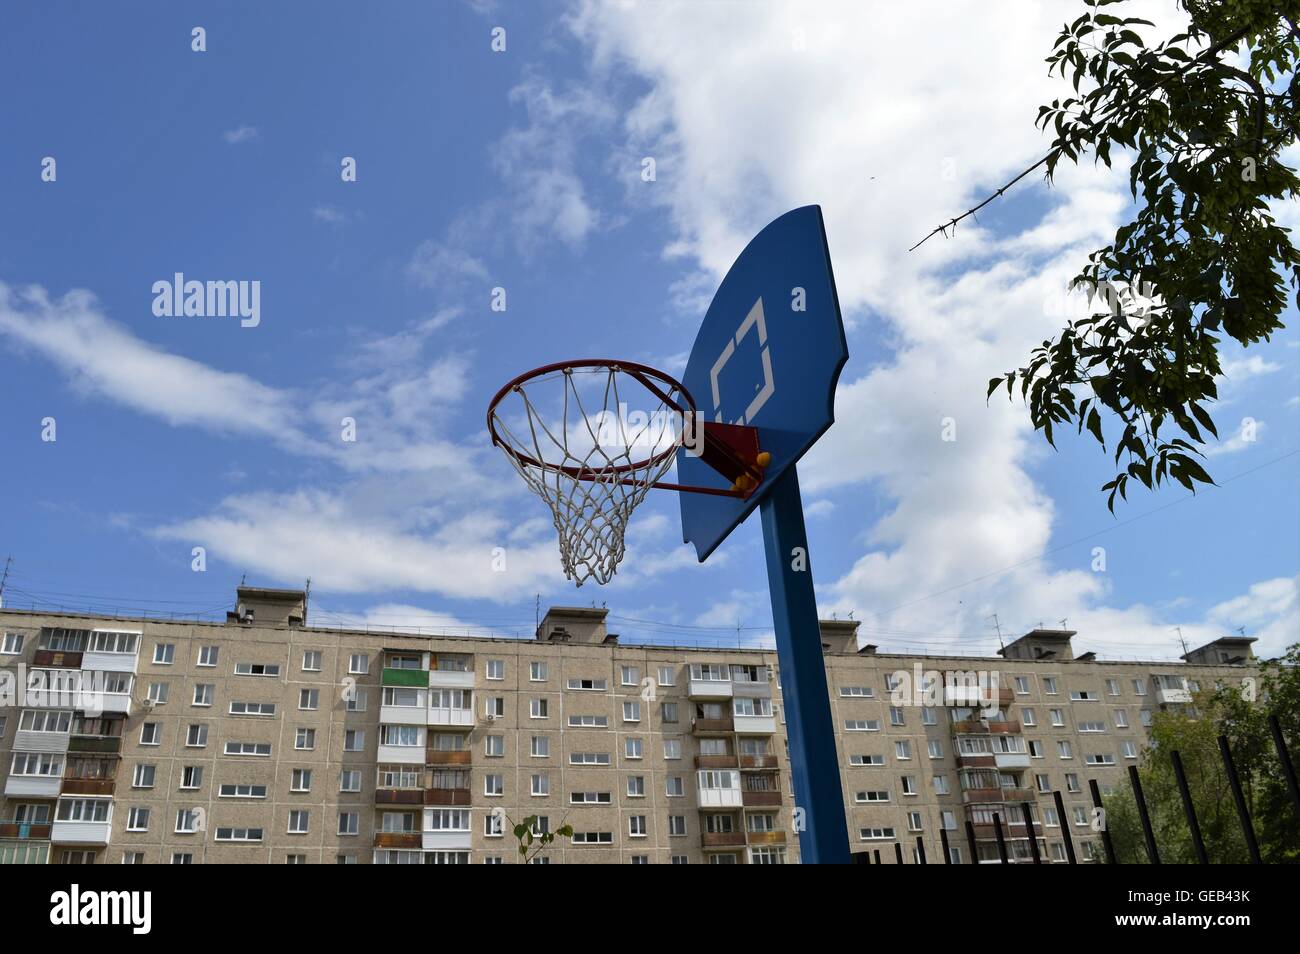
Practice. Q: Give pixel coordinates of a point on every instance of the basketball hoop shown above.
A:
(567, 431)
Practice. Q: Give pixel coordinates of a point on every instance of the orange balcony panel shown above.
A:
(439, 757)
(716, 761)
(57, 659)
(446, 796)
(767, 838)
(760, 799)
(712, 726)
(88, 786)
(1009, 727)
(410, 840)
(722, 839)
(24, 830)
(399, 796)
(982, 760)
(758, 762)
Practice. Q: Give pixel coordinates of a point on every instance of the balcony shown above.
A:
(109, 662)
(447, 757)
(972, 796)
(402, 754)
(404, 715)
(712, 726)
(102, 744)
(1006, 727)
(1167, 697)
(755, 724)
(751, 689)
(408, 840)
(758, 762)
(455, 718)
(80, 832)
(710, 689)
(767, 838)
(33, 786)
(114, 703)
(25, 831)
(446, 796)
(975, 760)
(711, 798)
(399, 796)
(406, 678)
(88, 786)
(453, 840)
(25, 740)
(970, 727)
(1011, 760)
(451, 679)
(722, 839)
(57, 659)
(752, 799)
(716, 761)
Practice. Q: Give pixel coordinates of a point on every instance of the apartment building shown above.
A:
(265, 740)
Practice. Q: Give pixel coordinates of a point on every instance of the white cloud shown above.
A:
(440, 265)
(240, 134)
(1244, 438)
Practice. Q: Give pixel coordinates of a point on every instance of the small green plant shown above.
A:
(531, 841)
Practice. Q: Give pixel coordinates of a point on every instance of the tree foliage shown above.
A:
(1204, 116)
(1227, 711)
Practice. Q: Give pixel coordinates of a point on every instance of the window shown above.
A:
(1063, 750)
(1112, 687)
(137, 819)
(1129, 749)
(143, 776)
(494, 785)
(493, 825)
(1139, 687)
(157, 693)
(305, 740)
(914, 821)
(870, 797)
(271, 670)
(260, 749)
(537, 672)
(866, 760)
(187, 820)
(1057, 717)
(350, 780)
(589, 798)
(1146, 718)
(1049, 685)
(636, 826)
(1102, 758)
(588, 685)
(12, 644)
(150, 734)
(672, 749)
(631, 712)
(164, 653)
(941, 785)
(299, 822)
(1028, 718)
(182, 858)
(349, 823)
(903, 749)
(540, 747)
(935, 748)
(203, 693)
(928, 716)
(496, 669)
(1050, 818)
(354, 740)
(668, 713)
(104, 641)
(538, 709)
(876, 834)
(636, 786)
(356, 699)
(252, 708)
(857, 692)
(1092, 726)
(665, 677)
(948, 820)
(301, 781)
(133, 857)
(358, 664)
(541, 785)
(632, 748)
(191, 777)
(1043, 783)
(1121, 719)
(674, 788)
(494, 746)
(676, 825)
(245, 834)
(208, 655)
(308, 699)
(405, 736)
(311, 660)
(196, 736)
(45, 720)
(242, 791)
(909, 784)
(895, 715)
(861, 725)
(1072, 783)
(494, 707)
(1083, 695)
(1035, 749)
(1022, 685)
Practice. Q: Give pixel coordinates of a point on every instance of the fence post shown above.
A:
(920, 850)
(898, 852)
(877, 853)
(1153, 855)
(1065, 828)
(1105, 829)
(970, 838)
(1002, 843)
(1029, 825)
(1243, 813)
(1284, 756)
(1188, 809)
(943, 842)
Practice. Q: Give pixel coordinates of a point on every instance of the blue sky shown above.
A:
(521, 169)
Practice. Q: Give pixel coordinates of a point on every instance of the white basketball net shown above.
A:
(583, 425)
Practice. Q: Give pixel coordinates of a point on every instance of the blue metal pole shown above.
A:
(809, 728)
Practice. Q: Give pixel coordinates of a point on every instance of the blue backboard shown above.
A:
(768, 355)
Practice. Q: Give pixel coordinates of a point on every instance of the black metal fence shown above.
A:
(1139, 798)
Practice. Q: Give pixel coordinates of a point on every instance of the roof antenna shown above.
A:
(997, 624)
(1181, 640)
